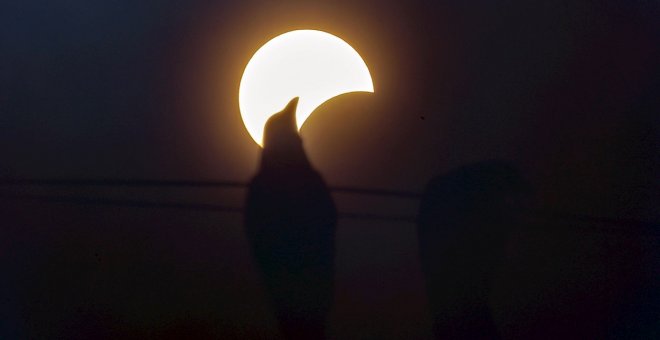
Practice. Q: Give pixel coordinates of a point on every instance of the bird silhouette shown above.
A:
(290, 222)
(464, 221)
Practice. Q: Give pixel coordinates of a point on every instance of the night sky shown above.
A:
(567, 91)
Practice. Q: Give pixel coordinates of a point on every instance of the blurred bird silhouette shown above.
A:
(290, 221)
(463, 226)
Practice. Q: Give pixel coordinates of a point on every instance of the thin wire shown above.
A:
(603, 224)
(188, 183)
(651, 189)
(643, 225)
(182, 206)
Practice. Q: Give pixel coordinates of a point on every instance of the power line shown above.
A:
(599, 224)
(183, 206)
(109, 182)
(643, 225)
(187, 183)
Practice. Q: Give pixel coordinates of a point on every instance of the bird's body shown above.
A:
(290, 222)
(464, 221)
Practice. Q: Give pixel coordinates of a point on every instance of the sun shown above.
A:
(313, 65)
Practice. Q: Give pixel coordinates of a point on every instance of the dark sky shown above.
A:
(119, 89)
(565, 90)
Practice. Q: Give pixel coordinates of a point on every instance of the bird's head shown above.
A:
(282, 144)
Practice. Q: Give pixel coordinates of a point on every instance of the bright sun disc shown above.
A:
(313, 65)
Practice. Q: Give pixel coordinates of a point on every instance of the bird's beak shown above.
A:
(289, 114)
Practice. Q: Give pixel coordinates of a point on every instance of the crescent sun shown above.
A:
(313, 65)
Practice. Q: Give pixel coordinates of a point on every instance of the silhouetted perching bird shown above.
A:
(290, 222)
(463, 225)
